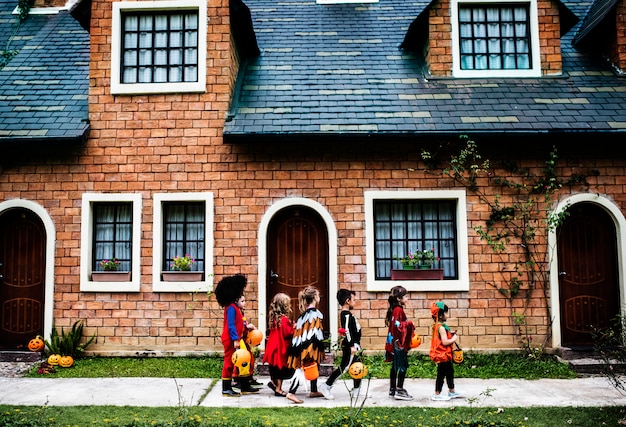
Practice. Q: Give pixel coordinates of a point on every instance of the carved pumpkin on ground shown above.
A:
(66, 361)
(53, 359)
(36, 344)
(357, 370)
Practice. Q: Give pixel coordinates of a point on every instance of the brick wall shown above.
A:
(170, 143)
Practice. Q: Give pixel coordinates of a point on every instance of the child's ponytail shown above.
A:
(395, 295)
(305, 297)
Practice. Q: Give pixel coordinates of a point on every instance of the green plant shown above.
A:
(182, 263)
(520, 218)
(409, 259)
(110, 264)
(608, 344)
(427, 257)
(68, 344)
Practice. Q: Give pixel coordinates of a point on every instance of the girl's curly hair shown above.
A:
(280, 306)
(230, 289)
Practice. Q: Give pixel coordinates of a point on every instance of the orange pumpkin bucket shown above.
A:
(311, 372)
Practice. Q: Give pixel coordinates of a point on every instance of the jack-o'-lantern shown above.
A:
(416, 341)
(66, 361)
(53, 359)
(254, 337)
(36, 344)
(457, 355)
(357, 370)
(241, 359)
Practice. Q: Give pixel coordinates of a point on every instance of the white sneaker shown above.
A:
(455, 394)
(439, 397)
(325, 390)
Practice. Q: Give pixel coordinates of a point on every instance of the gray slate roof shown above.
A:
(44, 89)
(339, 69)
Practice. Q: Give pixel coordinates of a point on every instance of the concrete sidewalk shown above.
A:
(153, 392)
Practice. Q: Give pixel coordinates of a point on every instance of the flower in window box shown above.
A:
(427, 257)
(110, 264)
(182, 263)
(409, 260)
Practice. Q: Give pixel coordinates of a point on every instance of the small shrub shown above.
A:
(68, 344)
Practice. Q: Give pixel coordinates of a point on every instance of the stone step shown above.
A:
(586, 362)
(19, 356)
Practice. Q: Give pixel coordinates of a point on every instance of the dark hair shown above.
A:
(395, 295)
(344, 295)
(441, 312)
(230, 289)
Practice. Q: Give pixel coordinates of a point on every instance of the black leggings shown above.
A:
(445, 370)
(347, 359)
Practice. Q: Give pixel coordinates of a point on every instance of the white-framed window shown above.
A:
(110, 229)
(183, 225)
(495, 38)
(158, 47)
(397, 222)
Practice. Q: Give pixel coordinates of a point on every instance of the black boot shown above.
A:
(227, 389)
(246, 388)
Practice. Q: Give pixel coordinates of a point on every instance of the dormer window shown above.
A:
(492, 39)
(158, 47)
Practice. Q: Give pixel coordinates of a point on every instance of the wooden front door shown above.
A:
(297, 248)
(588, 278)
(22, 267)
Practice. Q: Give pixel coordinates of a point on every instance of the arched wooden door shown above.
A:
(297, 248)
(22, 285)
(588, 278)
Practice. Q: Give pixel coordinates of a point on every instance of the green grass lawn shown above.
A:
(501, 365)
(301, 416)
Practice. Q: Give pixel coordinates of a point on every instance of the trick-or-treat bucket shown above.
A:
(311, 372)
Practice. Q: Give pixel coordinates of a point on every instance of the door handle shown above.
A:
(562, 273)
(273, 277)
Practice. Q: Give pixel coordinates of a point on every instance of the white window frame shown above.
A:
(460, 284)
(119, 88)
(158, 285)
(86, 246)
(535, 71)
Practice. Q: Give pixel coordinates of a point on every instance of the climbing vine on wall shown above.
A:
(520, 204)
(23, 7)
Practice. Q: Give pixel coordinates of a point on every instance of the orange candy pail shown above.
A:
(311, 372)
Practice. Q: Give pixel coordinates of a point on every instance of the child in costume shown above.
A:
(241, 303)
(228, 292)
(441, 351)
(350, 344)
(398, 342)
(307, 344)
(278, 342)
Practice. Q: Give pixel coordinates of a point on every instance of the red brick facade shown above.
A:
(170, 143)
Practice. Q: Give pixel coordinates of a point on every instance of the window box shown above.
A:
(110, 276)
(418, 274)
(182, 276)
